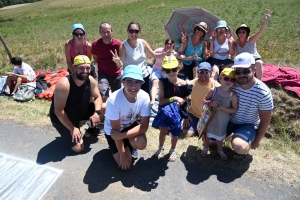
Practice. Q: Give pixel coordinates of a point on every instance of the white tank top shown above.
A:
(136, 56)
(221, 52)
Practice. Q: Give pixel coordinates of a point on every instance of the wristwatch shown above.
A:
(98, 112)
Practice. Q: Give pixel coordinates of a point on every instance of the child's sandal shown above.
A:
(204, 152)
(172, 157)
(222, 155)
(159, 152)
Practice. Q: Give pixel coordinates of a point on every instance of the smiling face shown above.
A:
(82, 71)
(133, 31)
(131, 87)
(169, 44)
(199, 32)
(78, 34)
(203, 76)
(105, 31)
(244, 75)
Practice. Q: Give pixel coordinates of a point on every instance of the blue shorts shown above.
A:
(193, 123)
(246, 132)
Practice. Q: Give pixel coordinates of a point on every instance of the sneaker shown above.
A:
(134, 154)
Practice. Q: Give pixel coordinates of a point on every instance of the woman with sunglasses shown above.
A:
(246, 43)
(221, 48)
(225, 102)
(195, 48)
(132, 52)
(172, 90)
(77, 46)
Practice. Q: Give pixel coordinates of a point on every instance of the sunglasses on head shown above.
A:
(225, 78)
(169, 70)
(204, 72)
(78, 34)
(244, 71)
(131, 31)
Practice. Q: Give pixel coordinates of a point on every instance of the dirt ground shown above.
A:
(13, 6)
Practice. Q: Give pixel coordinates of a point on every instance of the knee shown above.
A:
(188, 133)
(142, 144)
(240, 146)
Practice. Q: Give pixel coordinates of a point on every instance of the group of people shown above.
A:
(122, 92)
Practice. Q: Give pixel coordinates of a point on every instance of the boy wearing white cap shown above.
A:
(253, 116)
(127, 117)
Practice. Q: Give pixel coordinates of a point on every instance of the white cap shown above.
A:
(243, 60)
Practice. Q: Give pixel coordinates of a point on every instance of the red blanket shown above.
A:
(288, 78)
(52, 78)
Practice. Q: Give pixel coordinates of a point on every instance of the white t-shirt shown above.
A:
(25, 69)
(251, 101)
(118, 107)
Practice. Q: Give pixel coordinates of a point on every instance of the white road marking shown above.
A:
(24, 179)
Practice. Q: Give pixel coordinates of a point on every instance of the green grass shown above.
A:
(38, 31)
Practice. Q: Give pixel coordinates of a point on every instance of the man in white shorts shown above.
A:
(127, 117)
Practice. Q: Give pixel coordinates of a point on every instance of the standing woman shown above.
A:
(246, 43)
(195, 48)
(77, 46)
(222, 48)
(132, 52)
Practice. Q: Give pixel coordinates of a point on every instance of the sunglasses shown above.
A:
(225, 78)
(204, 72)
(169, 70)
(78, 34)
(199, 29)
(242, 32)
(169, 43)
(244, 71)
(131, 31)
(221, 29)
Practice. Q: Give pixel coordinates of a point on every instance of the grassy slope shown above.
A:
(38, 31)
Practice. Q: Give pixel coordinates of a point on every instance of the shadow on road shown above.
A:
(58, 149)
(200, 169)
(104, 171)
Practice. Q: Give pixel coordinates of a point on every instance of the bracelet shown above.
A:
(171, 100)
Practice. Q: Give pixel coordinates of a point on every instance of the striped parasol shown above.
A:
(184, 20)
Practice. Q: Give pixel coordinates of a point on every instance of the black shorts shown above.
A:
(112, 144)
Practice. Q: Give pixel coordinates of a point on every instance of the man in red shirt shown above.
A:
(109, 74)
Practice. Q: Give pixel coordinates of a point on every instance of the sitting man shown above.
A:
(250, 122)
(71, 103)
(22, 73)
(127, 117)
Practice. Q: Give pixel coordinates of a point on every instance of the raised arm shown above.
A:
(183, 44)
(153, 54)
(257, 35)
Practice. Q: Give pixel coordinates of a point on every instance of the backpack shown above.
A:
(2, 84)
(24, 93)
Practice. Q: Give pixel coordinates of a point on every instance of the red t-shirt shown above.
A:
(105, 63)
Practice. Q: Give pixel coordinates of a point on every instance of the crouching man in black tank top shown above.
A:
(71, 103)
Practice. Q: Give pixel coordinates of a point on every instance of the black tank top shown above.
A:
(77, 102)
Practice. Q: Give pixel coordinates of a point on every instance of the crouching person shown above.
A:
(71, 103)
(127, 117)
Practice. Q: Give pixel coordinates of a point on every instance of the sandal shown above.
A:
(172, 157)
(204, 152)
(222, 155)
(159, 152)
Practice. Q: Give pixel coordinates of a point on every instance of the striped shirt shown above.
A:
(251, 101)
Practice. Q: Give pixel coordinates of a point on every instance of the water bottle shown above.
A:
(53, 75)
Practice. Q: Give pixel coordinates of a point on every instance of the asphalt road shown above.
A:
(94, 174)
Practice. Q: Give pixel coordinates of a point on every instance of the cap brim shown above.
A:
(241, 66)
(134, 76)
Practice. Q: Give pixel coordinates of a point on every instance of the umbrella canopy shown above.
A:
(185, 19)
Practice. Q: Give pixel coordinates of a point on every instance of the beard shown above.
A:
(244, 80)
(82, 76)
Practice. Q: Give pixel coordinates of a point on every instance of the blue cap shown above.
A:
(76, 26)
(204, 65)
(221, 24)
(134, 72)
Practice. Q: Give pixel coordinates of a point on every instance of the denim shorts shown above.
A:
(193, 123)
(246, 132)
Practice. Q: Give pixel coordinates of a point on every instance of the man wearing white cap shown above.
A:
(127, 117)
(250, 122)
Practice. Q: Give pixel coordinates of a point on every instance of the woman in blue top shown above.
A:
(195, 48)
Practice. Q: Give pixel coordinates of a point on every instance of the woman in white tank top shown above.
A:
(246, 43)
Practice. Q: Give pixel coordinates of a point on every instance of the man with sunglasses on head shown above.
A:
(127, 117)
(108, 71)
(201, 86)
(249, 124)
(71, 103)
